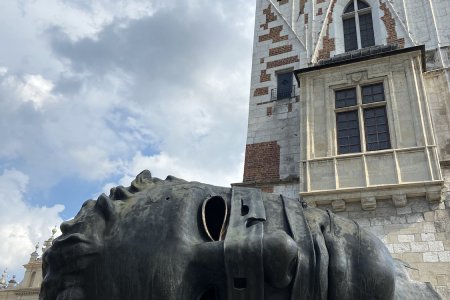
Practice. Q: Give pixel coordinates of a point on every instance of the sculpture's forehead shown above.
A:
(164, 210)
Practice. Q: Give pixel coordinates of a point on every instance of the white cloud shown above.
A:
(22, 225)
(3, 71)
(36, 89)
(161, 165)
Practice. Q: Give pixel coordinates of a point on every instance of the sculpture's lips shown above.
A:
(72, 253)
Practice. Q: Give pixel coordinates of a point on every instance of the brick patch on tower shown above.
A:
(261, 60)
(280, 50)
(269, 111)
(320, 1)
(262, 162)
(283, 61)
(290, 107)
(264, 76)
(274, 35)
(270, 17)
(328, 43)
(389, 22)
(261, 91)
(283, 2)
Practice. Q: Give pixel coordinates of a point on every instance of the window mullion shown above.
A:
(362, 132)
(358, 32)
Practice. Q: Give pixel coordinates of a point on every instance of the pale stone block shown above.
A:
(428, 236)
(419, 247)
(398, 219)
(405, 238)
(446, 244)
(412, 257)
(392, 238)
(402, 248)
(428, 227)
(430, 257)
(414, 218)
(444, 256)
(442, 279)
(361, 214)
(436, 246)
(363, 222)
(440, 236)
(379, 221)
(442, 215)
(404, 210)
(428, 216)
(399, 200)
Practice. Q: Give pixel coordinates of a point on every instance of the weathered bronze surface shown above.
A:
(172, 239)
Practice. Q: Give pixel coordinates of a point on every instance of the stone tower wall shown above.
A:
(295, 34)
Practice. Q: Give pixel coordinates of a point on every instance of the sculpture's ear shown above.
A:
(215, 217)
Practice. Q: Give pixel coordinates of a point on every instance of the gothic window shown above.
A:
(368, 102)
(358, 25)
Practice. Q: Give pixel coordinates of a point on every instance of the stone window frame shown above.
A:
(356, 13)
(360, 107)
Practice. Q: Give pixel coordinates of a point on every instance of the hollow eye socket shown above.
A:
(214, 217)
(209, 294)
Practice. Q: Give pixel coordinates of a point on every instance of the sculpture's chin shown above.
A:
(72, 293)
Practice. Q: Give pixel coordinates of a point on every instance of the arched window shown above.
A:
(358, 25)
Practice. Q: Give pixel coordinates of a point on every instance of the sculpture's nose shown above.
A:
(280, 258)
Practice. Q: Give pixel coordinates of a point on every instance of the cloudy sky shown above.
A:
(93, 92)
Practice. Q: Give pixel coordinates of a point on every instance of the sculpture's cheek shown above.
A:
(280, 259)
(359, 264)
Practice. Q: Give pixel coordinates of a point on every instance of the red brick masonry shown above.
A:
(262, 162)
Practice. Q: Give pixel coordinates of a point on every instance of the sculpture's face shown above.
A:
(160, 240)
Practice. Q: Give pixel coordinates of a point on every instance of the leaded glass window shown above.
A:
(358, 26)
(367, 101)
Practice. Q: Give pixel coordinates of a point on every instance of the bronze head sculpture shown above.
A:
(172, 239)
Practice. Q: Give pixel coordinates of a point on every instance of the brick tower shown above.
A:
(350, 110)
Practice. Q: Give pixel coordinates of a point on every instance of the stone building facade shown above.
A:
(30, 286)
(350, 109)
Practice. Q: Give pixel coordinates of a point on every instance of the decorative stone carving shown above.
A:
(175, 240)
(434, 196)
(399, 200)
(338, 205)
(368, 203)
